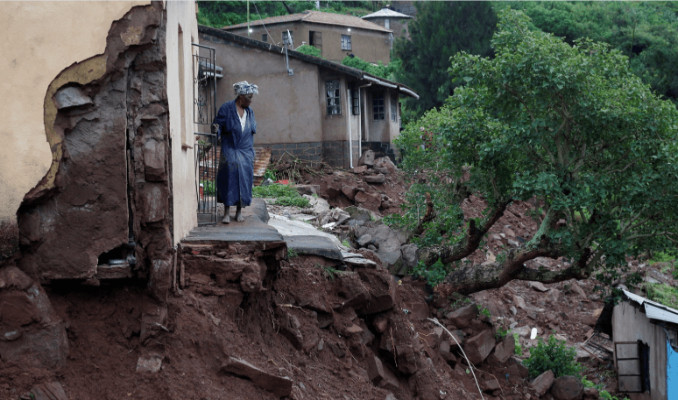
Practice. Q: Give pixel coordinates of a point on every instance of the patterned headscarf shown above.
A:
(245, 88)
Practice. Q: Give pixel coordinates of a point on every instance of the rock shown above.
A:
(380, 323)
(542, 383)
(367, 158)
(319, 206)
(521, 330)
(489, 383)
(478, 347)
(70, 97)
(48, 391)
(504, 350)
(409, 255)
(371, 201)
(577, 290)
(149, 363)
(307, 189)
(280, 386)
(538, 286)
(385, 165)
(360, 169)
(462, 317)
(553, 295)
(353, 290)
(591, 394)
(567, 388)
(359, 214)
(349, 191)
(31, 333)
(378, 178)
(513, 310)
(379, 375)
(364, 240)
(382, 291)
(417, 309)
(519, 302)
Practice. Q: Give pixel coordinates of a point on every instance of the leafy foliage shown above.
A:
(553, 355)
(440, 30)
(309, 50)
(662, 293)
(567, 126)
(646, 32)
(380, 70)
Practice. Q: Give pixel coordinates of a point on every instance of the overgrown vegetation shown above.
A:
(284, 195)
(380, 70)
(568, 127)
(662, 293)
(553, 355)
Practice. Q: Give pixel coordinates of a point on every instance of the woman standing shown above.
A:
(236, 128)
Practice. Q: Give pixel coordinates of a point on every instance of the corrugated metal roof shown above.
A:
(386, 13)
(316, 17)
(654, 310)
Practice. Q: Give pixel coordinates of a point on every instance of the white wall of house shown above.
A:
(182, 30)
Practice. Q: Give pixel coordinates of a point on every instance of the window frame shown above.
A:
(333, 101)
(346, 42)
(378, 106)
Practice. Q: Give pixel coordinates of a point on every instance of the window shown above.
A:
(315, 38)
(355, 101)
(264, 37)
(288, 37)
(333, 97)
(346, 42)
(378, 106)
(387, 23)
(394, 107)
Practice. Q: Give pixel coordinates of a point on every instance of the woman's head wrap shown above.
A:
(245, 88)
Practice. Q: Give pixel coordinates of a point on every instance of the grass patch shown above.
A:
(662, 293)
(284, 195)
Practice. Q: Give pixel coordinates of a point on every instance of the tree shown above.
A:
(440, 30)
(569, 127)
(647, 32)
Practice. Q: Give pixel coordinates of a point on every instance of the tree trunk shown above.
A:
(474, 278)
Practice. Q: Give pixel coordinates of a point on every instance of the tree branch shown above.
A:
(470, 242)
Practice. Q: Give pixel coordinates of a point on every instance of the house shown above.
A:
(308, 107)
(393, 20)
(336, 35)
(98, 176)
(645, 335)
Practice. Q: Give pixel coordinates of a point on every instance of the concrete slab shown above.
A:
(253, 229)
(314, 245)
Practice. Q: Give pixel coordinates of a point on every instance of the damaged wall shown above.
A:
(34, 53)
(106, 199)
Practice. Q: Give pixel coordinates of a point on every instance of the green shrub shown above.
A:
(284, 195)
(209, 188)
(554, 355)
(309, 50)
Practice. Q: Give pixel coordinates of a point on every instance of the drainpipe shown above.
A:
(348, 126)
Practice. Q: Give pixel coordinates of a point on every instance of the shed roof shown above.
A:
(654, 310)
(317, 17)
(386, 13)
(353, 72)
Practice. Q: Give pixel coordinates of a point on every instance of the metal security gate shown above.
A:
(205, 75)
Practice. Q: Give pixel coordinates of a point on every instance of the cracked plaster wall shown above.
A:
(44, 38)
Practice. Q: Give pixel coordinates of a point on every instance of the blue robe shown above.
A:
(236, 165)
